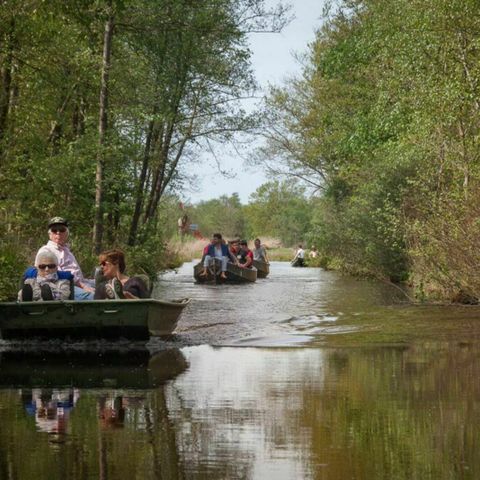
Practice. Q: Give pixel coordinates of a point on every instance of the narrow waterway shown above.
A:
(304, 375)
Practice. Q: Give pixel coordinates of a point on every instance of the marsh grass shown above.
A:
(190, 249)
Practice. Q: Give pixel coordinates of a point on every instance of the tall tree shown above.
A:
(102, 129)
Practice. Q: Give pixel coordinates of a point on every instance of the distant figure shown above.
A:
(313, 252)
(182, 225)
(299, 258)
(245, 255)
(259, 252)
(217, 249)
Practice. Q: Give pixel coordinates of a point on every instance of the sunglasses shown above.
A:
(50, 266)
(104, 263)
(58, 230)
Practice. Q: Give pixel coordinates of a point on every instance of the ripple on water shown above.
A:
(274, 341)
(289, 307)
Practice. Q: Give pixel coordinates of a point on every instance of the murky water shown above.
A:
(306, 374)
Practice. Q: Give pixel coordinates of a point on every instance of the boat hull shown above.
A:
(263, 268)
(235, 274)
(132, 319)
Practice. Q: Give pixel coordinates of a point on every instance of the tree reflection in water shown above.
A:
(95, 430)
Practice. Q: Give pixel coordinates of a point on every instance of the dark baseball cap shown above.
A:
(57, 221)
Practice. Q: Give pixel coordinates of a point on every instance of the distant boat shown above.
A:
(131, 319)
(263, 268)
(235, 274)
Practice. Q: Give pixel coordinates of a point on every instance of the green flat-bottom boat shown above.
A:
(235, 274)
(132, 319)
(263, 268)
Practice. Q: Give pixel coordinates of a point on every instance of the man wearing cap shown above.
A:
(58, 233)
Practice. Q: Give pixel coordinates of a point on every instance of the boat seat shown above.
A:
(31, 272)
(146, 281)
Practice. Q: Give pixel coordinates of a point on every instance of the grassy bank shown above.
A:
(190, 249)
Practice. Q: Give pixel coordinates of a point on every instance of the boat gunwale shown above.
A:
(182, 302)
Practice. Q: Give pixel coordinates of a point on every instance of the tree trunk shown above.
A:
(102, 133)
(132, 236)
(168, 171)
(6, 84)
(160, 172)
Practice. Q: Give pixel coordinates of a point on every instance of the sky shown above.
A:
(273, 61)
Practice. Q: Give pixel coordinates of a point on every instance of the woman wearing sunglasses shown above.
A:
(46, 285)
(58, 235)
(117, 284)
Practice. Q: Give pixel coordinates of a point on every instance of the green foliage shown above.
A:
(177, 72)
(280, 210)
(384, 122)
(12, 264)
(224, 215)
(148, 258)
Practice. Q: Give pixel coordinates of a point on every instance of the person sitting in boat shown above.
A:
(299, 258)
(117, 284)
(58, 233)
(217, 249)
(245, 255)
(259, 252)
(234, 247)
(44, 281)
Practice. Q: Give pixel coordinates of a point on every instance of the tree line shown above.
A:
(280, 210)
(104, 105)
(383, 124)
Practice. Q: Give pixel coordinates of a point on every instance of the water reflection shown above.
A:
(370, 413)
(397, 397)
(88, 415)
(50, 408)
(397, 412)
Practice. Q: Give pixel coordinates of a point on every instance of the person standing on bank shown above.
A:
(58, 234)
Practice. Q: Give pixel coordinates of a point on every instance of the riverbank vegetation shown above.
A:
(384, 126)
(372, 151)
(104, 105)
